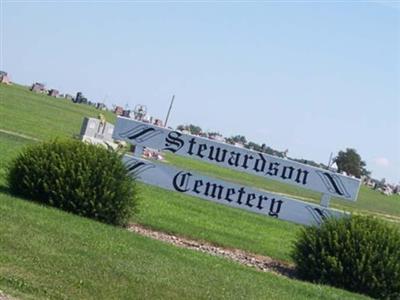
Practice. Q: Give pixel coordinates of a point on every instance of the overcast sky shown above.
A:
(313, 77)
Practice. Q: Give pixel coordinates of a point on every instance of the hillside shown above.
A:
(57, 255)
(41, 116)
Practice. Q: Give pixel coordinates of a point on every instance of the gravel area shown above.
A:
(5, 297)
(261, 263)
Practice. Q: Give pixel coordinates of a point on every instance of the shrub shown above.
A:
(83, 179)
(361, 254)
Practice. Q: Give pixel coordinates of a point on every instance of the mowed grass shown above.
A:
(221, 225)
(194, 218)
(42, 116)
(60, 256)
(180, 214)
(168, 211)
(48, 254)
(9, 147)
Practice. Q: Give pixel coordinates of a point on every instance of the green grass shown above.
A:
(9, 147)
(55, 250)
(215, 223)
(175, 213)
(198, 219)
(42, 116)
(45, 117)
(46, 253)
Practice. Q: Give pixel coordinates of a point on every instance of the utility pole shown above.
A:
(169, 110)
(330, 161)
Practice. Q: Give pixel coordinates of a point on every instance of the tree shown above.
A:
(193, 129)
(237, 139)
(254, 146)
(350, 162)
(214, 135)
(181, 127)
(364, 171)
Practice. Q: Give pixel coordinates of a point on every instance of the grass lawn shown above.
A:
(221, 225)
(198, 219)
(165, 210)
(9, 147)
(46, 253)
(42, 116)
(169, 211)
(45, 117)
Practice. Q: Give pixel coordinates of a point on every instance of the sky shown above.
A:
(313, 77)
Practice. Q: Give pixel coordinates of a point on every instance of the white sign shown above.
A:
(239, 159)
(234, 195)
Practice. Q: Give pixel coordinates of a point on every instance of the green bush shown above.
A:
(83, 179)
(360, 254)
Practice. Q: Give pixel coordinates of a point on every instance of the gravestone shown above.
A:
(93, 128)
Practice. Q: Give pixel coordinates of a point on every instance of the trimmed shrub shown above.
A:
(86, 180)
(360, 254)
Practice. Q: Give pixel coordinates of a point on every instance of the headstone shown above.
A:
(93, 128)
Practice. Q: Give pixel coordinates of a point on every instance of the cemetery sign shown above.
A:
(239, 159)
(223, 192)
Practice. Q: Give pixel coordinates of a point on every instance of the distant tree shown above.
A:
(214, 133)
(241, 139)
(364, 171)
(307, 162)
(181, 127)
(350, 162)
(263, 146)
(193, 129)
(253, 146)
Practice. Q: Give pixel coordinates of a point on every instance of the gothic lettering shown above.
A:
(234, 159)
(213, 187)
(261, 198)
(275, 209)
(181, 181)
(250, 197)
(246, 159)
(186, 182)
(217, 154)
(173, 141)
(259, 165)
(301, 176)
(287, 174)
(229, 193)
(273, 169)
